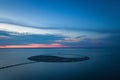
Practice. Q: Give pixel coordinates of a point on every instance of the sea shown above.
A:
(103, 64)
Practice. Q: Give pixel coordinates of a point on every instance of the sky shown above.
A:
(59, 23)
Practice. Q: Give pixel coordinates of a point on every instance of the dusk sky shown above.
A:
(59, 23)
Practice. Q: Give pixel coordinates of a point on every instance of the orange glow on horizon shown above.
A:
(54, 45)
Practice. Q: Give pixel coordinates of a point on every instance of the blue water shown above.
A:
(104, 64)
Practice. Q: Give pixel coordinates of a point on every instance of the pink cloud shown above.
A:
(54, 45)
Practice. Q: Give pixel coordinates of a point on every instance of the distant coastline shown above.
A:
(67, 48)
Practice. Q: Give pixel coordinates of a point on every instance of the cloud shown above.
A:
(60, 27)
(4, 37)
(29, 39)
(53, 45)
(26, 30)
(68, 40)
(83, 38)
(19, 34)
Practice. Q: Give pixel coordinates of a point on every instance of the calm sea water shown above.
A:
(104, 64)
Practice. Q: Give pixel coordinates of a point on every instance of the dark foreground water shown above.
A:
(103, 64)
